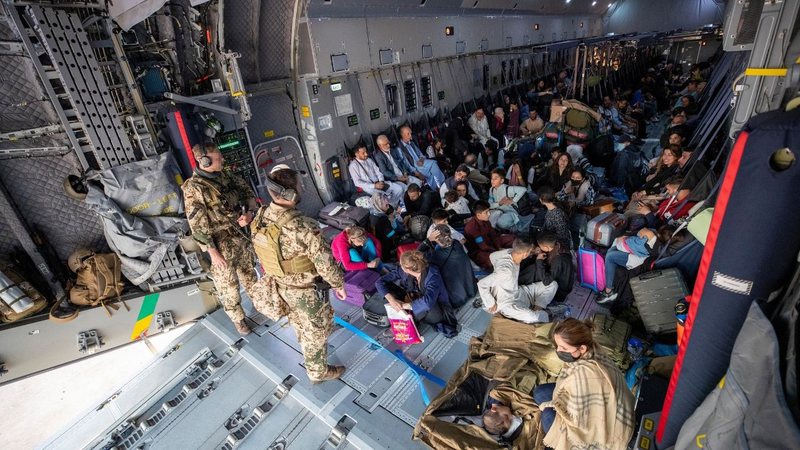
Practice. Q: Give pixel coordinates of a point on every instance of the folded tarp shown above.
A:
(141, 208)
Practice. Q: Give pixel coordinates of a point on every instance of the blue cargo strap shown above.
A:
(418, 371)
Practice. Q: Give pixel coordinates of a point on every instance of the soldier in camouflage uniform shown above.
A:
(218, 204)
(294, 255)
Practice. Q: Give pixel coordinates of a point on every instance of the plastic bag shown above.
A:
(403, 327)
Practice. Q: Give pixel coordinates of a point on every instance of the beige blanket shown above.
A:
(594, 408)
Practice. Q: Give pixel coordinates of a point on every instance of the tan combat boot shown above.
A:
(333, 373)
(242, 327)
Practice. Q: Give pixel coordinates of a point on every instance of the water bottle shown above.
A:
(568, 311)
(13, 296)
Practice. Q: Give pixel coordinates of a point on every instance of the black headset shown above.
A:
(204, 160)
(288, 194)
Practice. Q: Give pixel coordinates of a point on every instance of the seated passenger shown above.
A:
(533, 124)
(555, 220)
(356, 249)
(693, 172)
(501, 293)
(629, 252)
(386, 159)
(490, 158)
(410, 156)
(556, 266)
(442, 217)
(589, 406)
(579, 161)
(385, 224)
(504, 201)
(482, 238)
(480, 126)
(578, 191)
(461, 174)
(672, 208)
(448, 255)
(457, 208)
(517, 175)
(475, 176)
(415, 286)
(498, 125)
(368, 177)
(558, 173)
(665, 168)
(512, 127)
(611, 121)
(419, 202)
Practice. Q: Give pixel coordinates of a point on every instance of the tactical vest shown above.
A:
(219, 205)
(266, 241)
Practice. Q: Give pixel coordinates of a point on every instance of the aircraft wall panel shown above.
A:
(647, 15)
(363, 39)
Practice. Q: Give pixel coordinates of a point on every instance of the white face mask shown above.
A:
(618, 147)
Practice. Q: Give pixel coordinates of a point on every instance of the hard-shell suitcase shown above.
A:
(656, 294)
(591, 269)
(342, 215)
(612, 335)
(374, 311)
(408, 246)
(359, 285)
(603, 229)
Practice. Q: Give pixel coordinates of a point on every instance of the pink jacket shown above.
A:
(341, 251)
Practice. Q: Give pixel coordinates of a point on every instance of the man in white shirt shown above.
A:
(500, 292)
(480, 126)
(368, 177)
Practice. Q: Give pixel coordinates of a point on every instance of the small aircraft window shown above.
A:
(392, 100)
(410, 91)
(385, 56)
(461, 47)
(425, 91)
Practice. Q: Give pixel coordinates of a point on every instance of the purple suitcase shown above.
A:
(359, 285)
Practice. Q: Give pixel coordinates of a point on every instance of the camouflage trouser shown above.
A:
(236, 251)
(313, 322)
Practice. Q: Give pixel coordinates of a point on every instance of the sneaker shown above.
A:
(333, 373)
(242, 327)
(606, 298)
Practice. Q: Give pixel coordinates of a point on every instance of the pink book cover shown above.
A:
(403, 327)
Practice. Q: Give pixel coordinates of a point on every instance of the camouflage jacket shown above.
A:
(301, 236)
(212, 205)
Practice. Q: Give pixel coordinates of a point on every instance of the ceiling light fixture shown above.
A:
(594, 3)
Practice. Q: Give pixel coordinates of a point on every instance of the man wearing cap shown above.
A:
(296, 256)
(218, 205)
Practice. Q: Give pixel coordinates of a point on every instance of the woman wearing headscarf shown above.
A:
(450, 257)
(385, 223)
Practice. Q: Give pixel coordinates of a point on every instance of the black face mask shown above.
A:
(576, 183)
(566, 357)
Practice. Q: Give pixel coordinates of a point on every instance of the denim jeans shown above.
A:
(613, 259)
(544, 393)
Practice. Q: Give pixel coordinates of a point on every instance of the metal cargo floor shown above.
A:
(213, 389)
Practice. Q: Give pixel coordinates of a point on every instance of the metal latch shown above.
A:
(339, 433)
(165, 321)
(89, 341)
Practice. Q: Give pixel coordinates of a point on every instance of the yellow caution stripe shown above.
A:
(757, 72)
(145, 315)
